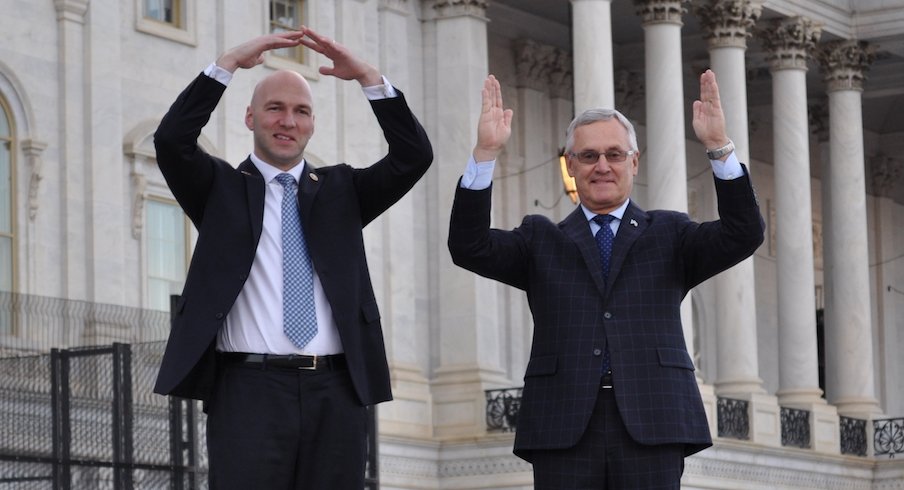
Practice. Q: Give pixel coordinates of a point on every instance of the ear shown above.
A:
(569, 164)
(635, 163)
(249, 118)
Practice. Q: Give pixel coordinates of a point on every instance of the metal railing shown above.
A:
(77, 408)
(733, 422)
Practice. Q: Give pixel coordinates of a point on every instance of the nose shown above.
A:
(287, 120)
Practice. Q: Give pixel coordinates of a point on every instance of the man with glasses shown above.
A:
(610, 399)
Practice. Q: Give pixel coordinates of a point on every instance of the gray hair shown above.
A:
(591, 116)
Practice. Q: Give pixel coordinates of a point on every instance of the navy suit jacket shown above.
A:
(657, 257)
(226, 205)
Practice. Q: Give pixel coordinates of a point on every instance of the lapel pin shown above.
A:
(246, 172)
(313, 176)
(634, 223)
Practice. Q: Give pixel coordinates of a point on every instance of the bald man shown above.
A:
(277, 329)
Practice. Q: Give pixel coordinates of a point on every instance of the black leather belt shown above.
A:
(335, 362)
(606, 381)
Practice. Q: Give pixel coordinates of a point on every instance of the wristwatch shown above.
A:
(720, 152)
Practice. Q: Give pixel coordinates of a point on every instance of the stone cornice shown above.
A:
(845, 63)
(789, 42)
(728, 23)
(661, 11)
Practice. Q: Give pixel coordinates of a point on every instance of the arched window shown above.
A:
(7, 210)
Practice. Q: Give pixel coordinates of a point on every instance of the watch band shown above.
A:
(720, 152)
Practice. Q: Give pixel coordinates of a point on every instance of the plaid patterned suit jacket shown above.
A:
(658, 256)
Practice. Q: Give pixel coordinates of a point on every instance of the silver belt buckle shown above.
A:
(312, 367)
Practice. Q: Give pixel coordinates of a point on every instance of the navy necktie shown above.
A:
(299, 314)
(604, 239)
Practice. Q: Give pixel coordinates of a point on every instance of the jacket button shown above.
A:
(220, 316)
(597, 352)
(607, 315)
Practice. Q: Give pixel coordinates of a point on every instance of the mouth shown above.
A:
(282, 137)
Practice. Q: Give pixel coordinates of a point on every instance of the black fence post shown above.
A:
(61, 428)
(123, 456)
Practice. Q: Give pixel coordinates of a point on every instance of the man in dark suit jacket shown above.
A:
(610, 399)
(282, 413)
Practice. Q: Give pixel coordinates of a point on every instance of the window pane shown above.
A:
(4, 125)
(6, 194)
(162, 10)
(287, 15)
(166, 252)
(6, 259)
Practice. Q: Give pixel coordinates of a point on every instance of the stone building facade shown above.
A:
(814, 96)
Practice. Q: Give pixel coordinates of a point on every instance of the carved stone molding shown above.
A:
(534, 63)
(728, 23)
(139, 197)
(886, 173)
(845, 63)
(73, 10)
(790, 42)
(661, 11)
(629, 91)
(561, 75)
(818, 113)
(439, 9)
(33, 150)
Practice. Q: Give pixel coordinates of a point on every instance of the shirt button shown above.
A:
(607, 315)
(597, 352)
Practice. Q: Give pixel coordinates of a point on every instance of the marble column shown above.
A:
(727, 24)
(789, 43)
(850, 383)
(465, 328)
(665, 121)
(591, 27)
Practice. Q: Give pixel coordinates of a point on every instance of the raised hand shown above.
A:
(495, 124)
(251, 53)
(345, 65)
(709, 120)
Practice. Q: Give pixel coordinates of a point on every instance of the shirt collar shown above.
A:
(269, 172)
(618, 212)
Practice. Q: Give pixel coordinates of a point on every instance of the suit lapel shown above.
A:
(634, 222)
(575, 225)
(255, 188)
(308, 185)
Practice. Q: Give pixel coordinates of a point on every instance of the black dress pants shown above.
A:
(607, 458)
(279, 428)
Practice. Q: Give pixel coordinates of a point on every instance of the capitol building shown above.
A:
(799, 350)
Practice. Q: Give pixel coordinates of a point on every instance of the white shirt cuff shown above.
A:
(730, 169)
(218, 74)
(379, 92)
(478, 176)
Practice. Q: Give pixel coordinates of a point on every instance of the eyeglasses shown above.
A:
(590, 157)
